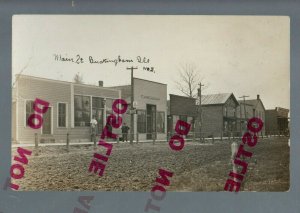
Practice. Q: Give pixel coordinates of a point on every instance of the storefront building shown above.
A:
(72, 106)
(248, 109)
(277, 121)
(181, 108)
(150, 103)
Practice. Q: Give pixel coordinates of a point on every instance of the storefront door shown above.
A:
(46, 130)
(151, 120)
(98, 115)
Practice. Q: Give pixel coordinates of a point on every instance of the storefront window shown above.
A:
(82, 110)
(225, 127)
(97, 112)
(190, 120)
(160, 122)
(62, 114)
(141, 121)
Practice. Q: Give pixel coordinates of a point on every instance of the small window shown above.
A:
(62, 114)
(29, 110)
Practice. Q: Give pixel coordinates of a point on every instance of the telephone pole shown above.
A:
(131, 105)
(244, 98)
(200, 109)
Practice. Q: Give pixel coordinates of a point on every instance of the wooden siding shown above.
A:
(212, 120)
(54, 92)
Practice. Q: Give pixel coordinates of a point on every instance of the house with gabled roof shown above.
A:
(219, 115)
(248, 109)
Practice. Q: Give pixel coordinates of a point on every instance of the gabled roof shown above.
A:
(253, 102)
(214, 99)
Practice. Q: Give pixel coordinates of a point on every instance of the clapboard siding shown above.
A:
(54, 92)
(212, 119)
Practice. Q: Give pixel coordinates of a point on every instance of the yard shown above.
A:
(198, 167)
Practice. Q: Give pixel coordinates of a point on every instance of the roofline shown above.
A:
(141, 80)
(255, 100)
(150, 81)
(64, 82)
(182, 96)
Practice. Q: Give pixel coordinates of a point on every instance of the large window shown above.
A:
(108, 105)
(82, 110)
(160, 122)
(141, 121)
(29, 110)
(191, 121)
(62, 115)
(97, 112)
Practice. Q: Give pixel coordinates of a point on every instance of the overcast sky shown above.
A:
(246, 55)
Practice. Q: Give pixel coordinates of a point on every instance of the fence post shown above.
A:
(137, 137)
(118, 139)
(234, 148)
(221, 135)
(153, 137)
(68, 142)
(213, 138)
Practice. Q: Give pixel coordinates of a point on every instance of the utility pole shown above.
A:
(200, 109)
(131, 105)
(244, 98)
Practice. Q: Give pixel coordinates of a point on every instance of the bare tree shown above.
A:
(78, 78)
(189, 79)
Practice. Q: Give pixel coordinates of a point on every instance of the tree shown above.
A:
(189, 79)
(78, 78)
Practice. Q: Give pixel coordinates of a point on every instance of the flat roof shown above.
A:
(64, 82)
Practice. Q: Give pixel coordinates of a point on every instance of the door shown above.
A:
(47, 122)
(151, 120)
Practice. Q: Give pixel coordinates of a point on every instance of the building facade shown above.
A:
(150, 104)
(72, 106)
(219, 115)
(248, 109)
(181, 108)
(277, 121)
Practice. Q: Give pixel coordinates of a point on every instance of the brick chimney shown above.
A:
(100, 83)
(258, 97)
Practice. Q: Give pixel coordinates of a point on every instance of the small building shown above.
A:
(248, 109)
(72, 106)
(219, 115)
(150, 103)
(181, 108)
(277, 121)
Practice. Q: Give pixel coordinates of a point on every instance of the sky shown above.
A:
(243, 55)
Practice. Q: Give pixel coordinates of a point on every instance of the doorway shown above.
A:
(151, 121)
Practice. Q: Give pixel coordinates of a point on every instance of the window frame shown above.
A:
(66, 117)
(164, 122)
(25, 119)
(90, 109)
(145, 123)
